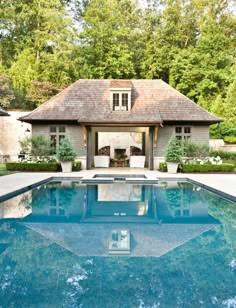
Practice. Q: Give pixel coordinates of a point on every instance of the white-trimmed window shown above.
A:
(183, 132)
(56, 133)
(121, 101)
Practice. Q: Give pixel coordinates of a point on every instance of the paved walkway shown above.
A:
(223, 183)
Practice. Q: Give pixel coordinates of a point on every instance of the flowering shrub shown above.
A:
(215, 160)
(36, 159)
(201, 161)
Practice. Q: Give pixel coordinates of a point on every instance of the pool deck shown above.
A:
(225, 184)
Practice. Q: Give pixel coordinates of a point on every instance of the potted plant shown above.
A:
(173, 154)
(66, 154)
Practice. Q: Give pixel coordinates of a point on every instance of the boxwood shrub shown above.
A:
(207, 168)
(230, 139)
(162, 167)
(50, 166)
(76, 166)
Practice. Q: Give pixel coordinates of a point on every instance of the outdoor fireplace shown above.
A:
(119, 152)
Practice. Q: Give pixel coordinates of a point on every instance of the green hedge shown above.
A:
(50, 166)
(76, 166)
(230, 139)
(207, 168)
(162, 167)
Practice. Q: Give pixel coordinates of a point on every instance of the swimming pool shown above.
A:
(54, 246)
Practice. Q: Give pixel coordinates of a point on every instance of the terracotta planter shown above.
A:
(66, 166)
(172, 167)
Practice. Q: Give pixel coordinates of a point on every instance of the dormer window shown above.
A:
(120, 95)
(120, 102)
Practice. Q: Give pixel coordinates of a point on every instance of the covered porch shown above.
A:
(120, 145)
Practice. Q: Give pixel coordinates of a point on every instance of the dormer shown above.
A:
(120, 95)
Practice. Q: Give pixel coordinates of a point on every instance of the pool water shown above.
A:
(53, 247)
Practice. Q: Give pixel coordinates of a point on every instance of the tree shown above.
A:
(40, 92)
(107, 39)
(36, 146)
(41, 38)
(230, 104)
(167, 31)
(6, 93)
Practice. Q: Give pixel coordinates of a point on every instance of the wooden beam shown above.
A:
(84, 136)
(115, 124)
(88, 154)
(155, 136)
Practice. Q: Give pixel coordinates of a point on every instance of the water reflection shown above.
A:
(165, 202)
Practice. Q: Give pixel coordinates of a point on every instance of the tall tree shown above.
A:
(43, 42)
(168, 30)
(107, 39)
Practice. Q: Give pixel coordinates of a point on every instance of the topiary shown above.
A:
(174, 150)
(65, 151)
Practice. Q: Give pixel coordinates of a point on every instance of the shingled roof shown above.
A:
(3, 112)
(88, 101)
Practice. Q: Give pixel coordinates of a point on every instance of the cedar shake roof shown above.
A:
(88, 101)
(3, 112)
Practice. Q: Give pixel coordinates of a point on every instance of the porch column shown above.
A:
(88, 150)
(143, 143)
(151, 147)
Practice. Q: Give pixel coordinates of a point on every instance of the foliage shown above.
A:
(224, 155)
(6, 93)
(230, 103)
(3, 170)
(31, 166)
(109, 39)
(38, 39)
(40, 92)
(48, 44)
(207, 168)
(218, 131)
(192, 149)
(230, 139)
(36, 145)
(163, 167)
(174, 150)
(65, 150)
(76, 166)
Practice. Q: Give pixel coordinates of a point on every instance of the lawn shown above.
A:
(3, 170)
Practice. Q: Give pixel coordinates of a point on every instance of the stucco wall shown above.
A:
(11, 132)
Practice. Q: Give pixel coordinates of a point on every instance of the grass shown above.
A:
(3, 170)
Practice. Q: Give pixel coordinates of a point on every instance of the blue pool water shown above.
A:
(54, 246)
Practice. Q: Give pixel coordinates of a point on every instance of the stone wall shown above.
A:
(11, 132)
(219, 145)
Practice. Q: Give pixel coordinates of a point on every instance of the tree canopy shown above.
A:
(49, 44)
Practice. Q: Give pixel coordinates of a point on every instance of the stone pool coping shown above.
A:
(223, 184)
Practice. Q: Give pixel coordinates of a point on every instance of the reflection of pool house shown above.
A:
(127, 121)
(165, 202)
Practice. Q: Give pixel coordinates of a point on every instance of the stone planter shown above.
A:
(101, 161)
(66, 166)
(172, 167)
(137, 161)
